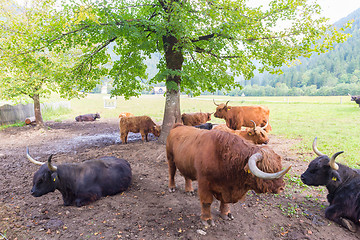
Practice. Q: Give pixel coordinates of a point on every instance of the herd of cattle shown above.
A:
(227, 160)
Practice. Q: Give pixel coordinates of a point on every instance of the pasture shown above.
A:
(334, 120)
(147, 210)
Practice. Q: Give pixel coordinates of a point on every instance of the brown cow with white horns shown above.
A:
(225, 166)
(239, 116)
(256, 134)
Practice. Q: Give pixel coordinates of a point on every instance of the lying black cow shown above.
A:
(82, 183)
(207, 126)
(343, 185)
(87, 117)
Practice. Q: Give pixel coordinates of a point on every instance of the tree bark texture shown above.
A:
(37, 111)
(174, 60)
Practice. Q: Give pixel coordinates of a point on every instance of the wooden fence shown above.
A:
(11, 114)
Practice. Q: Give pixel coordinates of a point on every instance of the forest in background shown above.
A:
(336, 72)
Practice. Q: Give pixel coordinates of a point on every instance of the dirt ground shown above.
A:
(147, 210)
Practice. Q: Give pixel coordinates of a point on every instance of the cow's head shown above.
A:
(156, 130)
(270, 179)
(97, 115)
(257, 135)
(221, 109)
(322, 170)
(44, 180)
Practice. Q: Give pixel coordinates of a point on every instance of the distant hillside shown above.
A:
(339, 66)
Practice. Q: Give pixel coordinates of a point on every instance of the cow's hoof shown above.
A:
(172, 189)
(228, 216)
(190, 193)
(348, 224)
(208, 223)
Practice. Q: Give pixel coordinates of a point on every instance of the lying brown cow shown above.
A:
(125, 114)
(239, 116)
(193, 119)
(225, 166)
(256, 134)
(142, 124)
(87, 117)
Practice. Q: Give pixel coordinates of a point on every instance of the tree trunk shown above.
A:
(174, 60)
(37, 110)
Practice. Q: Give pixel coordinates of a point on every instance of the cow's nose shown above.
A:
(302, 178)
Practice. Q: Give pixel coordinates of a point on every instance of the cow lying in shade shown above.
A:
(225, 166)
(142, 124)
(87, 117)
(256, 134)
(82, 183)
(194, 119)
(343, 185)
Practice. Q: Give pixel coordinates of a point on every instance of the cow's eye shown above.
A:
(312, 171)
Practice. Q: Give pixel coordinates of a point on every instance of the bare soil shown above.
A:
(147, 210)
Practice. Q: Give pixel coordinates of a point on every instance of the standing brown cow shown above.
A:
(142, 124)
(239, 116)
(256, 134)
(225, 166)
(193, 119)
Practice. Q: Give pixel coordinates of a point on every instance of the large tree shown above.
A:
(28, 68)
(204, 43)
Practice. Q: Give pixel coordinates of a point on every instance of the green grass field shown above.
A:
(334, 120)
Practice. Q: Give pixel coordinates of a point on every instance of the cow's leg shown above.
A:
(225, 211)
(334, 213)
(172, 171)
(124, 137)
(146, 136)
(206, 198)
(86, 198)
(142, 135)
(188, 187)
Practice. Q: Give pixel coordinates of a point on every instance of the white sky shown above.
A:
(333, 9)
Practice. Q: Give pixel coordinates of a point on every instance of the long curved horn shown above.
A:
(215, 103)
(315, 148)
(254, 124)
(260, 174)
(332, 163)
(31, 159)
(50, 166)
(227, 103)
(267, 123)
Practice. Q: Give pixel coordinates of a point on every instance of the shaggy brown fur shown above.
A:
(256, 135)
(193, 119)
(218, 161)
(239, 116)
(142, 124)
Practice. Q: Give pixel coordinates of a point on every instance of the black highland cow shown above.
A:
(82, 183)
(343, 185)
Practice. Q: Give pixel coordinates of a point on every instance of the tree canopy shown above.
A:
(204, 43)
(31, 69)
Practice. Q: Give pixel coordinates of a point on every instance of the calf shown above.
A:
(343, 185)
(87, 117)
(82, 183)
(142, 124)
(193, 119)
(256, 134)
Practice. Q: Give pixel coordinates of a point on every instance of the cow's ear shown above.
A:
(246, 168)
(335, 176)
